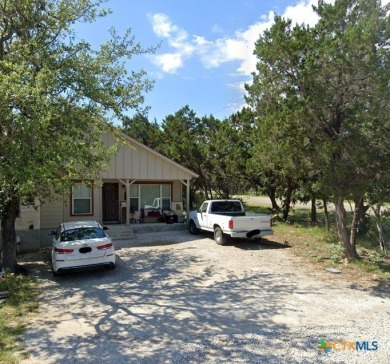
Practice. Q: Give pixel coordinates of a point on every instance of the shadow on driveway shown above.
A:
(161, 306)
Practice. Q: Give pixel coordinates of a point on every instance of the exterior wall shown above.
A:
(177, 194)
(136, 161)
(52, 213)
(29, 218)
(58, 211)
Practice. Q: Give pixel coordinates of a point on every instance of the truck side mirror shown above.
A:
(51, 233)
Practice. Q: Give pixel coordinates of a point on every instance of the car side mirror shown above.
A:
(200, 211)
(52, 233)
(105, 228)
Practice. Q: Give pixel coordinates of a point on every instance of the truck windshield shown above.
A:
(226, 206)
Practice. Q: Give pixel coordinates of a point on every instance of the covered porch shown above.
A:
(142, 185)
(128, 201)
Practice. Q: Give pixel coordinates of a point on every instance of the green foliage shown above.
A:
(322, 110)
(58, 94)
(13, 313)
(139, 128)
(335, 253)
(210, 147)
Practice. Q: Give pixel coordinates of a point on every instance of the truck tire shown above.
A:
(193, 229)
(219, 237)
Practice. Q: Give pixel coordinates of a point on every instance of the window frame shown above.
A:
(161, 195)
(91, 201)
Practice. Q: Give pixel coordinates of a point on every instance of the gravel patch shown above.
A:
(177, 298)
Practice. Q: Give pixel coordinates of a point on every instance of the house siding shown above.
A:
(52, 213)
(55, 212)
(177, 194)
(29, 218)
(135, 161)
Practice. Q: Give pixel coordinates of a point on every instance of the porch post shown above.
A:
(127, 202)
(188, 199)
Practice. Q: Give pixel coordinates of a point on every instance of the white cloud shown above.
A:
(302, 12)
(177, 39)
(162, 25)
(212, 54)
(169, 62)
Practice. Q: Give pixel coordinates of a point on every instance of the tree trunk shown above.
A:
(356, 221)
(271, 192)
(313, 214)
(326, 212)
(8, 233)
(379, 226)
(342, 231)
(287, 200)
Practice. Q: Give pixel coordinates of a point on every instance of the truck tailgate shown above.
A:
(248, 223)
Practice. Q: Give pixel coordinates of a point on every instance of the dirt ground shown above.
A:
(177, 298)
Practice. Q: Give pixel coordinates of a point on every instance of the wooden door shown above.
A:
(110, 202)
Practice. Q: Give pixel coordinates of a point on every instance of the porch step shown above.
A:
(157, 227)
(120, 232)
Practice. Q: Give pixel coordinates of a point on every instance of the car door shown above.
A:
(203, 215)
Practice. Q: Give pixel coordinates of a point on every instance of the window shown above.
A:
(166, 197)
(134, 197)
(83, 234)
(204, 207)
(150, 197)
(81, 200)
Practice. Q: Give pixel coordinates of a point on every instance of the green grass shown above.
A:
(318, 245)
(14, 314)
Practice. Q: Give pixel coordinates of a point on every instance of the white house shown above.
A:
(138, 179)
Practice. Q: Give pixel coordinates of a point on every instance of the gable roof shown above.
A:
(137, 161)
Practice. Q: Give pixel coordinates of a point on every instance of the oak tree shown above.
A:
(58, 95)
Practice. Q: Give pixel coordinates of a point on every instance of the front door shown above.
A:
(110, 202)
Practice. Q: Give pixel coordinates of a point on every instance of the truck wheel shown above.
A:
(219, 237)
(193, 229)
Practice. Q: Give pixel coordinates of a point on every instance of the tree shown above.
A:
(56, 94)
(321, 93)
(281, 149)
(182, 143)
(347, 101)
(236, 142)
(141, 129)
(208, 146)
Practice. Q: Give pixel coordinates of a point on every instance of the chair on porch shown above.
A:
(138, 217)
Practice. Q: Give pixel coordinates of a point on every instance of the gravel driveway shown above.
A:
(175, 298)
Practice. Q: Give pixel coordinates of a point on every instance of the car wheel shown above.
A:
(193, 229)
(219, 237)
(111, 266)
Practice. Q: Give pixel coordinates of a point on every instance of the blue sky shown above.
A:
(206, 53)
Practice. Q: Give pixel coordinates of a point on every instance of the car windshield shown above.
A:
(226, 206)
(83, 233)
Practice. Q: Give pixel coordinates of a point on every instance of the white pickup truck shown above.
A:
(227, 218)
